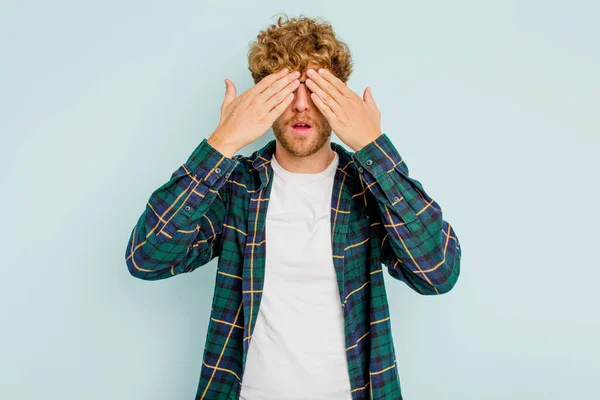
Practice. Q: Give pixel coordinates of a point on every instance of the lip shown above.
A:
(301, 131)
(301, 121)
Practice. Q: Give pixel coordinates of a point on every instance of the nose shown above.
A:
(302, 98)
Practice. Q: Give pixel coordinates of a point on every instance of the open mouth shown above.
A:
(301, 127)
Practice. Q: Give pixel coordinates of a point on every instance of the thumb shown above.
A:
(368, 97)
(230, 92)
(370, 100)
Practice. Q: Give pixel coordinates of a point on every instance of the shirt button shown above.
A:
(369, 162)
(188, 208)
(360, 169)
(396, 199)
(227, 175)
(218, 170)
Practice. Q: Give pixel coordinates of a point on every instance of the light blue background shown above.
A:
(493, 105)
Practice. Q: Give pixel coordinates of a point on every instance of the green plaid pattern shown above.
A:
(215, 206)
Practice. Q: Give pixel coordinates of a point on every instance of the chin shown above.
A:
(299, 145)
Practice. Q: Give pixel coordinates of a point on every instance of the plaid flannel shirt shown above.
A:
(215, 206)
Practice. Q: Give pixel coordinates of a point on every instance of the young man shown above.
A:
(302, 230)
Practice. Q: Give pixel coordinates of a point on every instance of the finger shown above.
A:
(280, 108)
(280, 95)
(342, 87)
(335, 82)
(268, 80)
(278, 86)
(324, 97)
(370, 100)
(366, 95)
(325, 110)
(327, 88)
(230, 92)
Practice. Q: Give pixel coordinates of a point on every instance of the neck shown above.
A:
(312, 164)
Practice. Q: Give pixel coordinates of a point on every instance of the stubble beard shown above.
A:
(302, 145)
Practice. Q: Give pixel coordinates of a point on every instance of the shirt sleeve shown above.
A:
(418, 246)
(180, 227)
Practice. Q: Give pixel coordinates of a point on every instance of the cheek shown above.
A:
(286, 115)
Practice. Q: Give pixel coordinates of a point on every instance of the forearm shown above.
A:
(178, 228)
(418, 246)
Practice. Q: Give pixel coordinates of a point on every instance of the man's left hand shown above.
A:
(355, 120)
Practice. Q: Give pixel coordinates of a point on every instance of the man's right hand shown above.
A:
(246, 118)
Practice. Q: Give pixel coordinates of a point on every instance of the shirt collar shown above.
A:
(262, 161)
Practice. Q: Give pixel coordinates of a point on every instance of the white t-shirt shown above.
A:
(297, 350)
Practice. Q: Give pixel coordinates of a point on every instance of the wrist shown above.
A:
(223, 144)
(365, 141)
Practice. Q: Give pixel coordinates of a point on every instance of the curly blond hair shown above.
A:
(296, 43)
